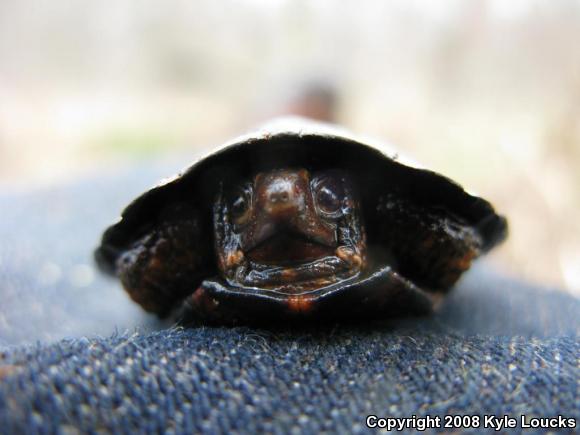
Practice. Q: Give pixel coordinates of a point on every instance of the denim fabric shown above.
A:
(222, 380)
(496, 346)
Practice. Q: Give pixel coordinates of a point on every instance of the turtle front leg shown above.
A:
(430, 246)
(166, 264)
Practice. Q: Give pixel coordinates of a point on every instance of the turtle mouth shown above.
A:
(288, 250)
(293, 264)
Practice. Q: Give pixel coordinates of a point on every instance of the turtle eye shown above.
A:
(328, 194)
(241, 202)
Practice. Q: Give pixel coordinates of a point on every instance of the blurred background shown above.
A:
(486, 92)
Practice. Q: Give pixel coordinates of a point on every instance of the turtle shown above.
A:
(298, 221)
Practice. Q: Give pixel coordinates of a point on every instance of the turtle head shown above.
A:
(289, 230)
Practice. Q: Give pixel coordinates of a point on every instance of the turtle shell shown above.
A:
(427, 228)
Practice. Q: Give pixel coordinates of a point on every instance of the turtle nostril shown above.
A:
(280, 195)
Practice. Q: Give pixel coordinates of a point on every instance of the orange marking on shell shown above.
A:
(323, 281)
(348, 255)
(234, 258)
(464, 262)
(299, 304)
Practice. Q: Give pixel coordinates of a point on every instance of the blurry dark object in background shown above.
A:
(315, 100)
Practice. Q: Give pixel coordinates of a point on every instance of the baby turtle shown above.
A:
(298, 221)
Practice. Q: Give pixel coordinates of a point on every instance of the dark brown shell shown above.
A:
(425, 199)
